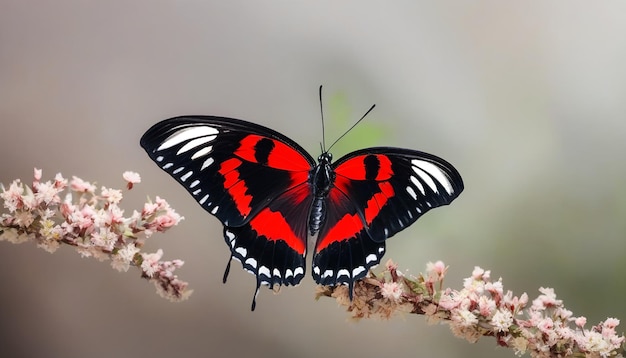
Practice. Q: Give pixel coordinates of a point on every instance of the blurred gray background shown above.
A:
(526, 99)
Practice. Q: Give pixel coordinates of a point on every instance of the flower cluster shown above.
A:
(93, 223)
(545, 328)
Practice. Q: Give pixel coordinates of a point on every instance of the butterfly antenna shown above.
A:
(323, 144)
(354, 125)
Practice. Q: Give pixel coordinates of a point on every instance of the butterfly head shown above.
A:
(325, 158)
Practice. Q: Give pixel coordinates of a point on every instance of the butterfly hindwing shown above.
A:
(272, 245)
(377, 192)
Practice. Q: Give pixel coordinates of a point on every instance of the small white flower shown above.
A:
(125, 255)
(150, 264)
(502, 320)
(131, 177)
(113, 196)
(391, 291)
(24, 218)
(46, 193)
(464, 318)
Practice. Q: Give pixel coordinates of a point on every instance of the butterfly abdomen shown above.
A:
(317, 216)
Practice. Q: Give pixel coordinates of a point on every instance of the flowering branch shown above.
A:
(481, 308)
(93, 224)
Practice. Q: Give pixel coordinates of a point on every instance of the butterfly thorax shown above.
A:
(322, 178)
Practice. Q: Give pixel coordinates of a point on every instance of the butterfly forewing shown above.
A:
(231, 167)
(396, 186)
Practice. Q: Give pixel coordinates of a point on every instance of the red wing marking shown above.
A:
(355, 168)
(281, 156)
(378, 200)
(375, 203)
(273, 226)
(346, 228)
(235, 186)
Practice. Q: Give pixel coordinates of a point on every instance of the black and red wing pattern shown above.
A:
(253, 179)
(377, 192)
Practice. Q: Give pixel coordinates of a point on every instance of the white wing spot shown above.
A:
(242, 251)
(418, 184)
(194, 143)
(381, 250)
(230, 235)
(436, 172)
(288, 273)
(411, 192)
(204, 198)
(159, 158)
(426, 178)
(328, 273)
(197, 191)
(316, 270)
(298, 271)
(202, 152)
(252, 262)
(215, 209)
(276, 273)
(186, 176)
(168, 165)
(357, 270)
(264, 271)
(206, 163)
(178, 170)
(343, 272)
(370, 258)
(186, 134)
(194, 183)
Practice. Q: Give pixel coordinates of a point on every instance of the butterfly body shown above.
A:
(271, 196)
(322, 177)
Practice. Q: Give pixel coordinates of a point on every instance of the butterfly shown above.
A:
(271, 196)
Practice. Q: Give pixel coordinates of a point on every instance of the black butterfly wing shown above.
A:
(248, 176)
(377, 192)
